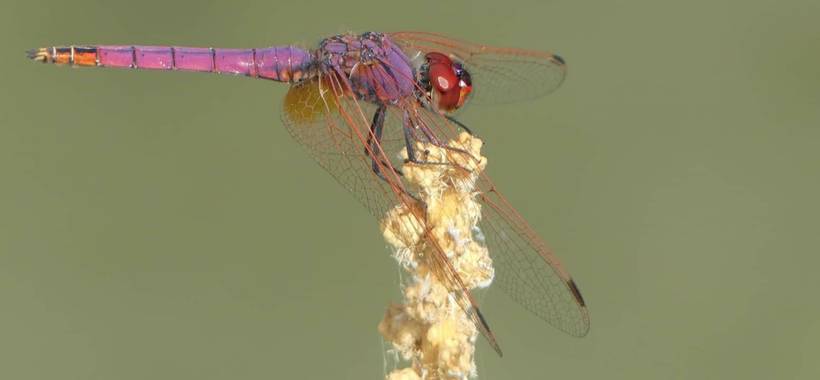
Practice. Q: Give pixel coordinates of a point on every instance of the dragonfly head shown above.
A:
(447, 83)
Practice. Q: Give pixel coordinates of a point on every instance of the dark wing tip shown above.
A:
(488, 333)
(576, 293)
(559, 59)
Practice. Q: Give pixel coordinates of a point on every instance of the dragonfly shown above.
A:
(356, 100)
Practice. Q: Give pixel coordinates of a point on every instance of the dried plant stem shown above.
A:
(429, 329)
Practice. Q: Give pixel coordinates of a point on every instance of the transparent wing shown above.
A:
(500, 75)
(335, 129)
(319, 119)
(526, 269)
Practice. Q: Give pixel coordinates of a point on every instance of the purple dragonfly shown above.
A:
(358, 99)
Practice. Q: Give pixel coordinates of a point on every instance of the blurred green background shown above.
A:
(164, 225)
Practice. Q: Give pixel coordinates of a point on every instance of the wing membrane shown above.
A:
(500, 75)
(526, 268)
(335, 129)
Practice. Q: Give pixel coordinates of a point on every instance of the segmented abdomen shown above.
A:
(283, 63)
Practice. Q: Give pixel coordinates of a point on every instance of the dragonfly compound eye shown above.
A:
(449, 83)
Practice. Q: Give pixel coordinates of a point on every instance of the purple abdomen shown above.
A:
(285, 63)
(370, 64)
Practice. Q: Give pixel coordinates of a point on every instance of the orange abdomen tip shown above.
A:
(39, 55)
(66, 55)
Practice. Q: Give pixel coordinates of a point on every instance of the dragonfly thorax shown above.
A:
(373, 67)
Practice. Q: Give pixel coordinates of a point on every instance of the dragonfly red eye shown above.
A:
(450, 83)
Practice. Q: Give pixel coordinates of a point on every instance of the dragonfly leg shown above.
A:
(460, 124)
(411, 150)
(373, 149)
(408, 143)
